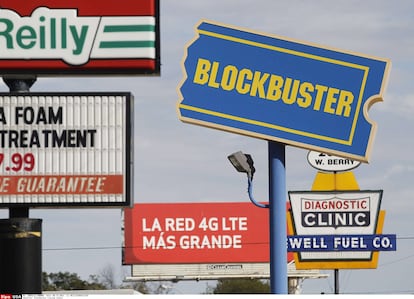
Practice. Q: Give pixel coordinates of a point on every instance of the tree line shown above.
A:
(105, 280)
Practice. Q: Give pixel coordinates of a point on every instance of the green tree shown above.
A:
(69, 281)
(241, 286)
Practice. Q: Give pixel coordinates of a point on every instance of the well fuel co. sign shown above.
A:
(79, 37)
(283, 90)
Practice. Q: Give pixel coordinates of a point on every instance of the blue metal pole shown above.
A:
(277, 218)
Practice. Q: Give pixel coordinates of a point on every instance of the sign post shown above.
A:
(21, 237)
(277, 218)
(21, 255)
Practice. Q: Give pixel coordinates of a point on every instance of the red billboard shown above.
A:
(77, 37)
(174, 233)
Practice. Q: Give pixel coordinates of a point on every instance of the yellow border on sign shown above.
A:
(370, 101)
(295, 53)
(345, 264)
(305, 55)
(262, 124)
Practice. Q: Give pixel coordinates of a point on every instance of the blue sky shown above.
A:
(177, 162)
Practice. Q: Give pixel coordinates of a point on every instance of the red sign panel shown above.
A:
(171, 233)
(69, 37)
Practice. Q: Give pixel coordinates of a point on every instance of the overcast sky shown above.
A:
(177, 162)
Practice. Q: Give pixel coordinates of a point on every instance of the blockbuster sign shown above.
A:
(283, 90)
(68, 37)
(61, 149)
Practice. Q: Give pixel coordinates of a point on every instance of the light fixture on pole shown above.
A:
(244, 163)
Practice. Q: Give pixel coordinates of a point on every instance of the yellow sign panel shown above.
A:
(325, 181)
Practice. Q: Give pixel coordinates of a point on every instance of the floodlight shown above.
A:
(243, 163)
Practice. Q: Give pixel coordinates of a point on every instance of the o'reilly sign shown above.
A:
(51, 39)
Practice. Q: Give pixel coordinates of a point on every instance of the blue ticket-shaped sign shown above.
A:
(283, 90)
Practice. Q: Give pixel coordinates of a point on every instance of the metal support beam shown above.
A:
(277, 218)
(20, 237)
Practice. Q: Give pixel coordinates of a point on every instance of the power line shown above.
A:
(397, 261)
(119, 247)
(83, 248)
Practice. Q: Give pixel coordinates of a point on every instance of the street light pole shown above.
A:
(277, 218)
(277, 210)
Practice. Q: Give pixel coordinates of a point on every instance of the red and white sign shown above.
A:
(174, 233)
(65, 149)
(69, 37)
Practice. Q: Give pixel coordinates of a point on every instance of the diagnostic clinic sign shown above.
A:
(70, 37)
(337, 230)
(280, 89)
(171, 233)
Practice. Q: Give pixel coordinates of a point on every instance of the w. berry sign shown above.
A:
(77, 37)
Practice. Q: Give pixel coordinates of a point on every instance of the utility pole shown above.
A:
(20, 236)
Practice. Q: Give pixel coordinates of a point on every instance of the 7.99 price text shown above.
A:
(17, 162)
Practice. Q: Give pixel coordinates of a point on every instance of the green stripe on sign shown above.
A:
(127, 44)
(128, 28)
